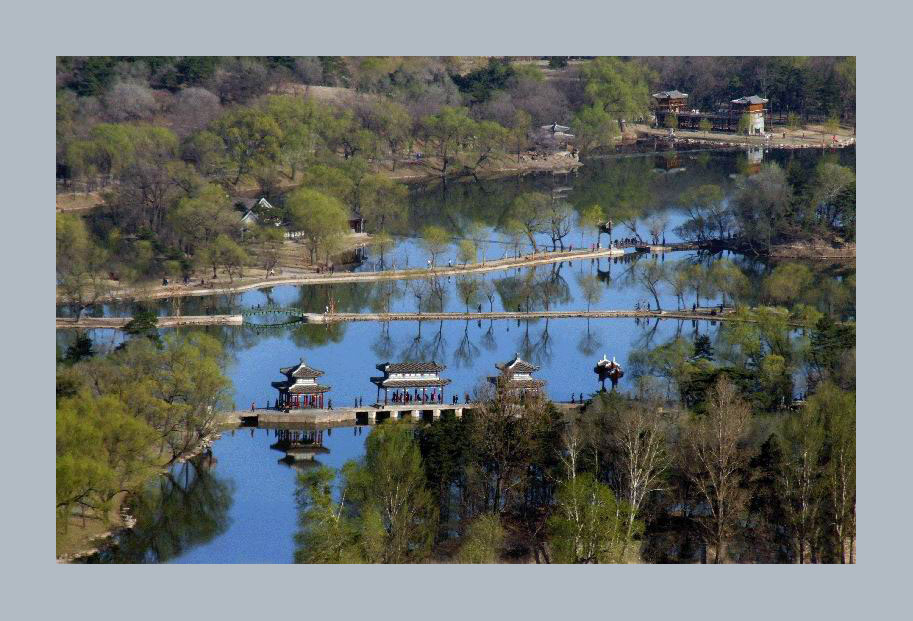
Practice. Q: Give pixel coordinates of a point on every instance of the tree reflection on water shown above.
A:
(466, 351)
(186, 507)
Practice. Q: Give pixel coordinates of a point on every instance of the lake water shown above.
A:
(240, 505)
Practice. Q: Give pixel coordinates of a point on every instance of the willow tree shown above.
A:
(587, 522)
(467, 251)
(177, 388)
(389, 494)
(593, 128)
(468, 289)
(650, 274)
(327, 534)
(435, 240)
(620, 87)
(445, 134)
(707, 211)
(299, 121)
(252, 138)
(483, 540)
(744, 124)
(393, 123)
(321, 218)
(200, 217)
(102, 448)
(384, 203)
(532, 211)
(80, 265)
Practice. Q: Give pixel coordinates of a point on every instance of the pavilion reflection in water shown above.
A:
(301, 446)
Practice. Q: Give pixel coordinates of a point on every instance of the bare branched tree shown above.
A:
(713, 455)
(638, 440)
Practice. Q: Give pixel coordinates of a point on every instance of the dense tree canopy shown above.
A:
(123, 416)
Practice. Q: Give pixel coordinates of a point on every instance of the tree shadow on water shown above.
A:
(589, 342)
(466, 351)
(186, 507)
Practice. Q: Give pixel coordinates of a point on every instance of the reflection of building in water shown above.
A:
(300, 446)
(406, 378)
(670, 163)
(516, 376)
(561, 192)
(755, 158)
(608, 370)
(300, 388)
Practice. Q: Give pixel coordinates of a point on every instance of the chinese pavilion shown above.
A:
(725, 118)
(403, 377)
(300, 388)
(517, 376)
(753, 106)
(608, 369)
(672, 101)
(668, 102)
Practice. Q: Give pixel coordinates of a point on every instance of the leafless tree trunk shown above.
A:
(714, 452)
(638, 440)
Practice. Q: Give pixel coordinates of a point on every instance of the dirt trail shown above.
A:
(700, 314)
(117, 323)
(780, 138)
(174, 291)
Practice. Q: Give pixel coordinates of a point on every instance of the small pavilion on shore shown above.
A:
(300, 388)
(405, 379)
(517, 376)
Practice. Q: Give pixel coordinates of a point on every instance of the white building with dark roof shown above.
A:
(402, 377)
(259, 209)
(753, 106)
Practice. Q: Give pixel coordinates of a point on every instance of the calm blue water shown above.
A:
(263, 516)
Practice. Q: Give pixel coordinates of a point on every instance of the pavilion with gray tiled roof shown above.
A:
(403, 376)
(517, 374)
(300, 388)
(753, 99)
(673, 94)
